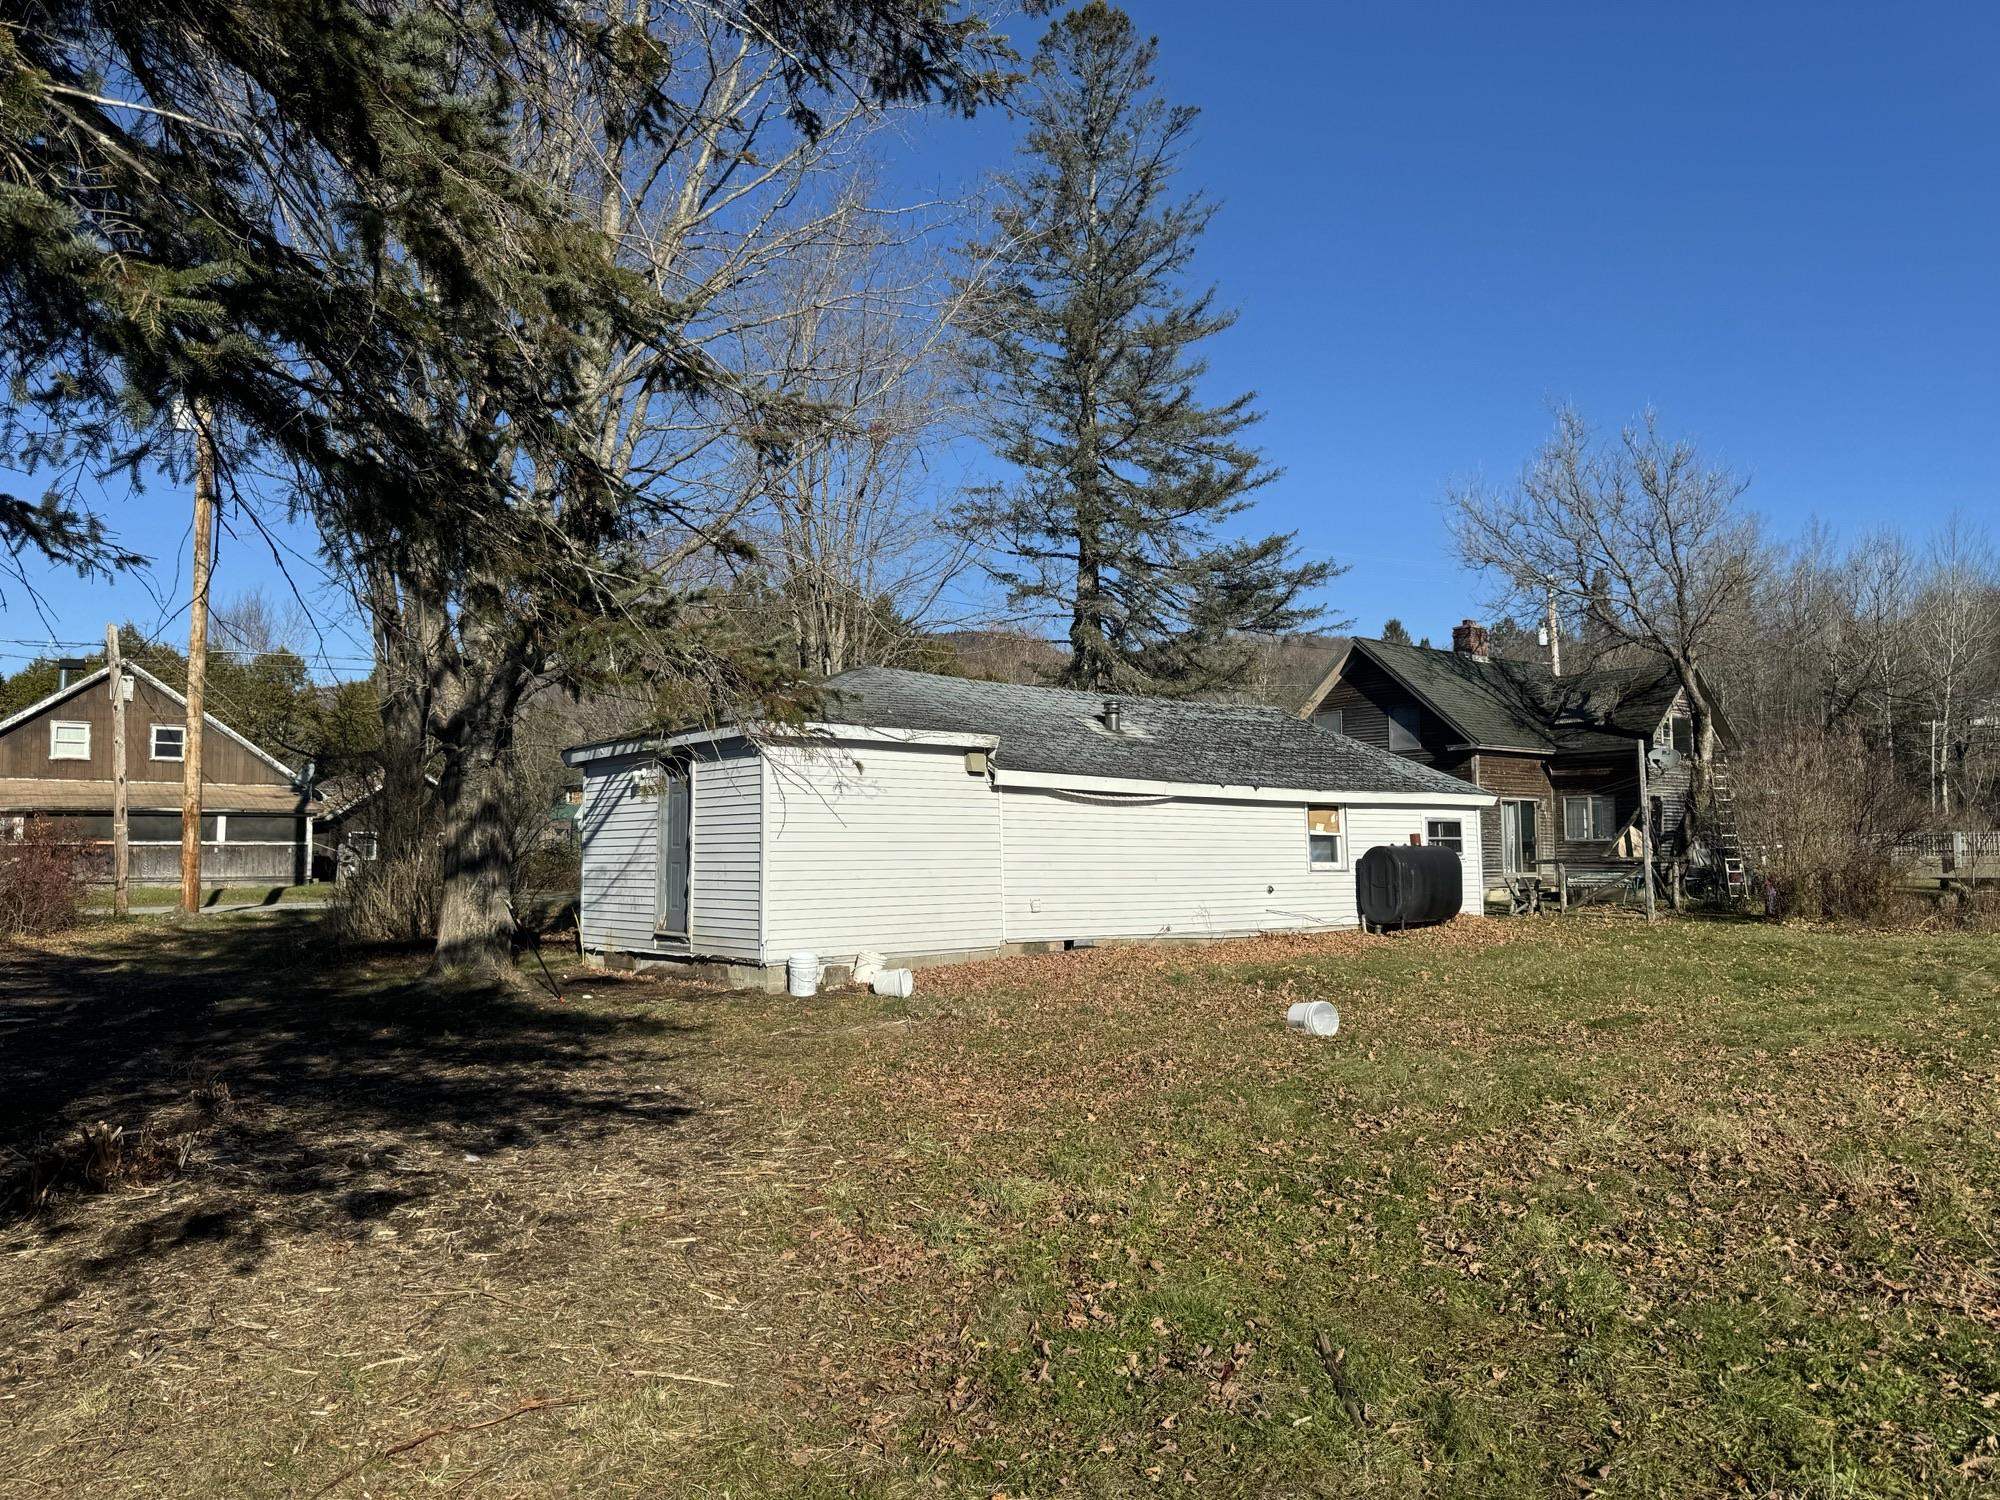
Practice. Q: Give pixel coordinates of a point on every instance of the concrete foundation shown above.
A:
(770, 978)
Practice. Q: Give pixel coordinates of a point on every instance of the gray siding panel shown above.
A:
(728, 855)
(619, 831)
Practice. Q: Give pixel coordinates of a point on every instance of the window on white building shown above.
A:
(1447, 833)
(1325, 840)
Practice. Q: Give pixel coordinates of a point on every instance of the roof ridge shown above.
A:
(1093, 695)
(1192, 742)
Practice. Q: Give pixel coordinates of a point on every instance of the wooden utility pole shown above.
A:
(197, 673)
(1646, 829)
(121, 823)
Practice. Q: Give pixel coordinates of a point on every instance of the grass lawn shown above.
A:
(99, 898)
(1569, 1207)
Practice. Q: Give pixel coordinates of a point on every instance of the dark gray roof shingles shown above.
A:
(1487, 704)
(1516, 705)
(1060, 732)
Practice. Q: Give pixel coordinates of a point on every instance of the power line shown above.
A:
(47, 646)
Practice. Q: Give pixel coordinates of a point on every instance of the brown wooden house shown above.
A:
(1561, 752)
(56, 762)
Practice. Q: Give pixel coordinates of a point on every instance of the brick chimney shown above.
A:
(1469, 639)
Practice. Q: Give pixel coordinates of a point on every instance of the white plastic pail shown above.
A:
(802, 975)
(895, 983)
(1314, 1017)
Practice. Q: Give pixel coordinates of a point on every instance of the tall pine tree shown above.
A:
(1083, 347)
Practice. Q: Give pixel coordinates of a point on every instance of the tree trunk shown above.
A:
(403, 647)
(1700, 805)
(1089, 666)
(475, 937)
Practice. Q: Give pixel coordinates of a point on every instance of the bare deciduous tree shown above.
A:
(1642, 535)
(1880, 577)
(856, 349)
(1956, 614)
(699, 154)
(252, 623)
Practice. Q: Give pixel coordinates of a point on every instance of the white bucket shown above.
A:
(866, 967)
(802, 975)
(895, 983)
(1314, 1017)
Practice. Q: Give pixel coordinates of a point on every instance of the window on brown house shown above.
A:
(1403, 720)
(1591, 819)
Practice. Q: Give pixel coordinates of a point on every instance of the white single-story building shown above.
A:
(933, 819)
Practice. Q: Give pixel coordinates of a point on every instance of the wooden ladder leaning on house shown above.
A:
(1728, 839)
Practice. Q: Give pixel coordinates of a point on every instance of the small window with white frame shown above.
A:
(69, 739)
(1446, 833)
(1326, 840)
(169, 741)
(1589, 820)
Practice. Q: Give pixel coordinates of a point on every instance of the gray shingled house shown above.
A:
(934, 818)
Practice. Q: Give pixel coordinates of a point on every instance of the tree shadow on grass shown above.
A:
(287, 1078)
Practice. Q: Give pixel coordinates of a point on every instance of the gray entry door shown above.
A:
(675, 807)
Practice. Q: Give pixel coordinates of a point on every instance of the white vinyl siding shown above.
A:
(857, 846)
(619, 831)
(1082, 868)
(724, 878)
(875, 847)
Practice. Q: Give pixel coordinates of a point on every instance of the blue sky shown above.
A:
(1776, 223)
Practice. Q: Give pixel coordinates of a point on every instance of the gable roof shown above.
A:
(91, 678)
(1480, 699)
(343, 794)
(1501, 704)
(1059, 732)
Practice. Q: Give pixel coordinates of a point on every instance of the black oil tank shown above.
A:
(1408, 885)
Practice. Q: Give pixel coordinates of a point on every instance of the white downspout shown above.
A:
(1000, 817)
